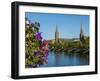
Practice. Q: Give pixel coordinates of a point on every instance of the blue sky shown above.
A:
(68, 24)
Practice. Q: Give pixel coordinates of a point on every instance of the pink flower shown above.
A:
(45, 43)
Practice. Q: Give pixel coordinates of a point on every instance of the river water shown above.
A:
(65, 59)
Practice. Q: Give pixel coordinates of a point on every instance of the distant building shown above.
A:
(56, 35)
(76, 40)
(53, 41)
(81, 33)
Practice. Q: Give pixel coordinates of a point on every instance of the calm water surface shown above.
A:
(62, 59)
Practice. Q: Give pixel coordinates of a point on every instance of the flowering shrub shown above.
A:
(36, 48)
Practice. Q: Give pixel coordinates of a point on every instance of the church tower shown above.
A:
(81, 33)
(56, 35)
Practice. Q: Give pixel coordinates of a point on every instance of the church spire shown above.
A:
(81, 29)
(81, 33)
(56, 34)
(56, 28)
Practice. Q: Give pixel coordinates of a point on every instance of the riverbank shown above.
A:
(72, 50)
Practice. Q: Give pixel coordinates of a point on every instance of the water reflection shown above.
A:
(63, 59)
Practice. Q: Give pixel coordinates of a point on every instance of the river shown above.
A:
(63, 59)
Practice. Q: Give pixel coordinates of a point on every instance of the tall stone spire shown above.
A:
(56, 34)
(81, 30)
(81, 33)
(56, 28)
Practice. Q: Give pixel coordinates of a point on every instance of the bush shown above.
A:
(36, 48)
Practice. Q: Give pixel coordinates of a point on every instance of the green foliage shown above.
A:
(35, 48)
(84, 44)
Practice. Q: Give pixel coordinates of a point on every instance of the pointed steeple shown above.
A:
(56, 28)
(56, 34)
(81, 29)
(81, 33)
